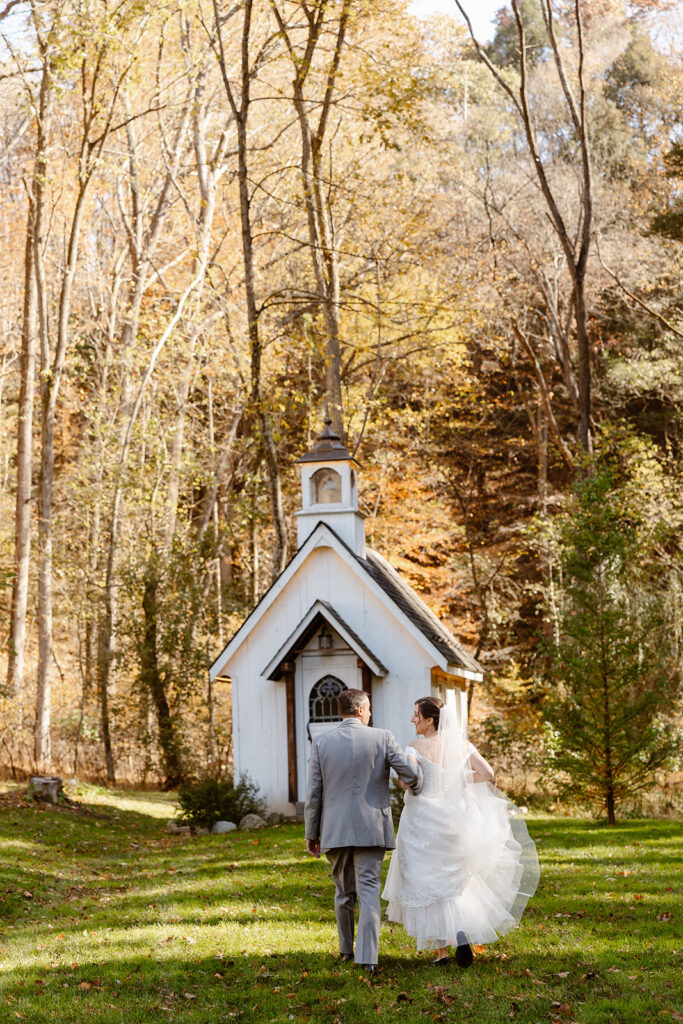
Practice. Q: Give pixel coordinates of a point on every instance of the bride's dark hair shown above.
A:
(430, 708)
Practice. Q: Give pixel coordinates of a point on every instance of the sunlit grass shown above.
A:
(104, 916)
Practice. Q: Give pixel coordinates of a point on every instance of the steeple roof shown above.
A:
(328, 446)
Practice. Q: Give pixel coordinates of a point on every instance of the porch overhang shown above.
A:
(456, 678)
(318, 614)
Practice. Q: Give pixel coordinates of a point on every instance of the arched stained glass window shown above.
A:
(326, 487)
(322, 703)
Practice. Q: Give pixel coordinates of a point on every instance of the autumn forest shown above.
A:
(218, 217)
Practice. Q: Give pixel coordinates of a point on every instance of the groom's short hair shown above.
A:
(350, 700)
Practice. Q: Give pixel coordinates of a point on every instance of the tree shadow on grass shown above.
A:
(127, 873)
(316, 987)
(569, 833)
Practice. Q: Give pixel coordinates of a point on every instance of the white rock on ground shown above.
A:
(252, 821)
(174, 826)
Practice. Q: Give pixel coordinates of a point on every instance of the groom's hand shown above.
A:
(313, 847)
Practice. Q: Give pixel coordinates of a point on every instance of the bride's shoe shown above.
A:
(463, 954)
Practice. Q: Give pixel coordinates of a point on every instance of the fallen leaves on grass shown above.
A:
(442, 994)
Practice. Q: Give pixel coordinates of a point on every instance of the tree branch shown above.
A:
(543, 388)
(643, 305)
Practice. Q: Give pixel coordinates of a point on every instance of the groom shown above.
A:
(348, 817)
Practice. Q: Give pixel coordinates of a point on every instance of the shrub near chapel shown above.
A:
(206, 801)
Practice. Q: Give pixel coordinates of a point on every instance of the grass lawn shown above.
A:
(106, 917)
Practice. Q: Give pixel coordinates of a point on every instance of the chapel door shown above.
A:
(320, 678)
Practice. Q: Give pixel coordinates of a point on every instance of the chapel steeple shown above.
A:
(329, 490)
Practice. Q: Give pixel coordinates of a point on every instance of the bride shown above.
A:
(464, 866)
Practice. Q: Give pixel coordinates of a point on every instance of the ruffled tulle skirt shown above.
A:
(468, 869)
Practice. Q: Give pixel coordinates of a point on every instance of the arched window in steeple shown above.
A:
(322, 702)
(326, 487)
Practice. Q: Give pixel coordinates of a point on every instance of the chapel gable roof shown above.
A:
(384, 577)
(417, 611)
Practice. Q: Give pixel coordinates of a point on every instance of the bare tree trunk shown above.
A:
(175, 458)
(254, 553)
(542, 427)
(315, 188)
(152, 680)
(211, 731)
(544, 393)
(214, 515)
(241, 116)
(51, 376)
(583, 344)
(22, 530)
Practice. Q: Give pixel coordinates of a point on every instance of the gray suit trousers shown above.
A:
(356, 870)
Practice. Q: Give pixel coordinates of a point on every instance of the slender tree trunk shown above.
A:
(606, 753)
(22, 524)
(22, 535)
(542, 433)
(273, 469)
(219, 588)
(43, 739)
(331, 303)
(241, 116)
(254, 553)
(324, 260)
(320, 228)
(153, 682)
(51, 376)
(611, 819)
(583, 345)
(607, 739)
(106, 648)
(175, 458)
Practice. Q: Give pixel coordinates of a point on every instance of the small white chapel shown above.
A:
(338, 616)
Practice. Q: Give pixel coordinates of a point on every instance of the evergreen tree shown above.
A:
(614, 663)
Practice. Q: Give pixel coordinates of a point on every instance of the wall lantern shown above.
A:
(325, 639)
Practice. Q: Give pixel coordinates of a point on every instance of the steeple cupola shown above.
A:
(329, 491)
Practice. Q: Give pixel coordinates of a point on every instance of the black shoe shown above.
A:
(370, 968)
(441, 961)
(463, 954)
(345, 957)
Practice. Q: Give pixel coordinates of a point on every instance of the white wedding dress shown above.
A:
(463, 862)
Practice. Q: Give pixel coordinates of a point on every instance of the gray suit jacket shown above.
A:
(347, 800)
